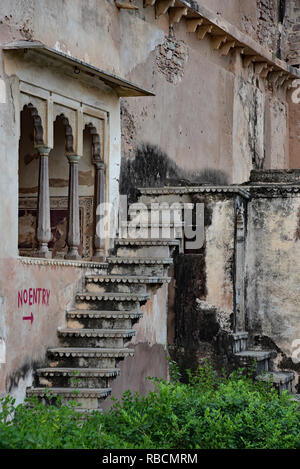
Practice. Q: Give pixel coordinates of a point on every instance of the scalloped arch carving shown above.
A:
(96, 142)
(69, 138)
(37, 124)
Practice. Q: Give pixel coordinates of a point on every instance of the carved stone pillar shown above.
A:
(100, 221)
(240, 271)
(73, 221)
(43, 231)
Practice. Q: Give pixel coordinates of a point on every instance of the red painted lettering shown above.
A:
(34, 296)
(30, 296)
(20, 298)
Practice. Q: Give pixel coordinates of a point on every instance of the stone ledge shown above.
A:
(275, 176)
(87, 296)
(92, 352)
(69, 392)
(274, 191)
(234, 190)
(126, 279)
(61, 262)
(140, 260)
(104, 333)
(79, 372)
(104, 314)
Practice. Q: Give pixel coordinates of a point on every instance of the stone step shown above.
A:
(282, 380)
(87, 357)
(152, 225)
(153, 267)
(110, 300)
(75, 377)
(102, 319)
(159, 251)
(111, 338)
(87, 398)
(296, 398)
(247, 358)
(139, 247)
(122, 283)
(138, 229)
(153, 242)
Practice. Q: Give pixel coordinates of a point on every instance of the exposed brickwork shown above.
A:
(267, 23)
(128, 132)
(292, 25)
(171, 58)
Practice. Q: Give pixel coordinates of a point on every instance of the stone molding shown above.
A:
(61, 263)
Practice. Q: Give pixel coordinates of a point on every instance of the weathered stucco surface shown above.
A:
(273, 272)
(26, 342)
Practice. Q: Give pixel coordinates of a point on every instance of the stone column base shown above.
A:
(73, 254)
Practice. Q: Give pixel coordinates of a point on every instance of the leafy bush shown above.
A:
(209, 412)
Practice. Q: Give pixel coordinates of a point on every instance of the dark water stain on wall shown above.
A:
(153, 168)
(12, 381)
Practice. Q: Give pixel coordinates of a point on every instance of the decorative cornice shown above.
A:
(125, 279)
(233, 190)
(274, 191)
(139, 260)
(86, 296)
(147, 242)
(91, 352)
(79, 372)
(61, 262)
(84, 314)
(139, 224)
(109, 333)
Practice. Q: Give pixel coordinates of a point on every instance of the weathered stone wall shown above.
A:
(205, 290)
(273, 274)
(194, 117)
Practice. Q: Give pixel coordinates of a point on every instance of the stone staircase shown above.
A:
(99, 328)
(262, 361)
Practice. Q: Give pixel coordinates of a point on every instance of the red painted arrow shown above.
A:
(28, 318)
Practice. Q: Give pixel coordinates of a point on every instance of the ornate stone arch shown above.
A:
(69, 136)
(96, 142)
(37, 124)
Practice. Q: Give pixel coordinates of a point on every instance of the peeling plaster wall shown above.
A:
(273, 273)
(248, 131)
(276, 134)
(26, 343)
(220, 256)
(204, 291)
(294, 126)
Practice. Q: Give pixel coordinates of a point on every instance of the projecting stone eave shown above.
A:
(36, 49)
(225, 38)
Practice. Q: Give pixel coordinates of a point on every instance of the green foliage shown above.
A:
(209, 412)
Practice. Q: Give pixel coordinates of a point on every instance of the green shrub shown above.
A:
(209, 412)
